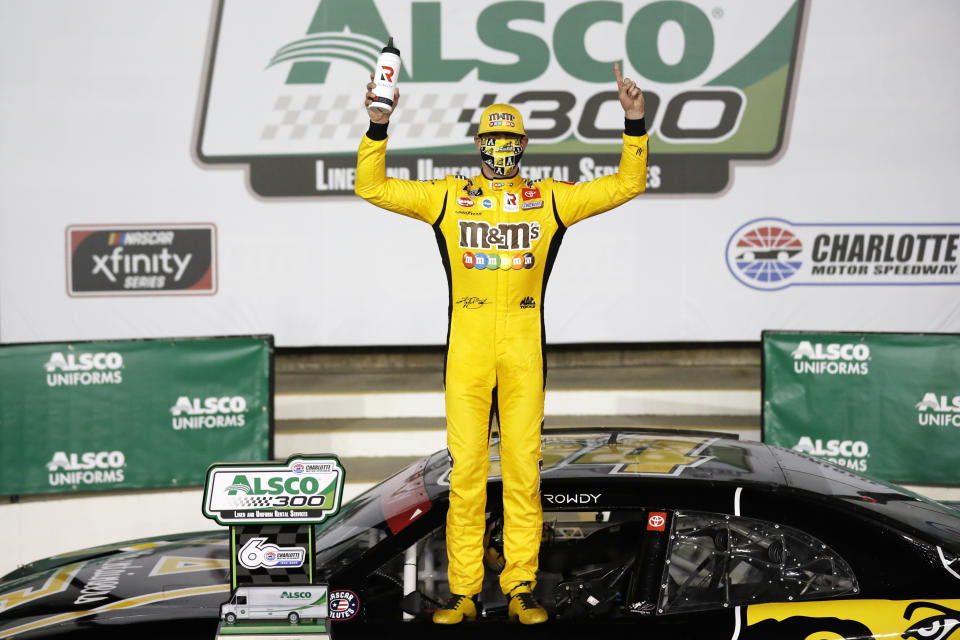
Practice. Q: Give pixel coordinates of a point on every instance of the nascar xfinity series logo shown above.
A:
(281, 93)
(770, 254)
(303, 490)
(137, 260)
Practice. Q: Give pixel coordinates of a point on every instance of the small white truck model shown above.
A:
(292, 602)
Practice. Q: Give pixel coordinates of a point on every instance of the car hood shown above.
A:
(183, 576)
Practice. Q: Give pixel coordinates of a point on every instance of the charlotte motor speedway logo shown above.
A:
(284, 86)
(770, 254)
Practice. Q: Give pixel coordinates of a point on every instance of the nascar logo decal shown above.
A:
(344, 604)
(281, 77)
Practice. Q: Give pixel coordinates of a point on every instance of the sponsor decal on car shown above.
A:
(629, 455)
(571, 498)
(107, 578)
(59, 581)
(908, 619)
(657, 521)
(344, 605)
(118, 605)
(167, 259)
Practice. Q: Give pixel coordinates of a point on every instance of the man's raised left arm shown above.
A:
(579, 201)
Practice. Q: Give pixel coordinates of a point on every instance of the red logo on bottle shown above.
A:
(387, 73)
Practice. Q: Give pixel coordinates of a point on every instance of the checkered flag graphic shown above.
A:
(430, 117)
(282, 535)
(251, 501)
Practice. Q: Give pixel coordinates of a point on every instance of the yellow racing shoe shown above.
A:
(456, 610)
(524, 606)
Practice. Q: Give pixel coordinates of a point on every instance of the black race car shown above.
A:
(662, 534)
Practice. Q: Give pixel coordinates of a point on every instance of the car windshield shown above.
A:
(344, 537)
(939, 522)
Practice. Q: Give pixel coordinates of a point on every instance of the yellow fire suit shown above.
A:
(498, 240)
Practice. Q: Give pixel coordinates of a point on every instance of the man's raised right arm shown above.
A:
(420, 200)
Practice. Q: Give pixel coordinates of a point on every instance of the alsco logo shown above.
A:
(84, 461)
(83, 369)
(210, 412)
(938, 410)
(276, 485)
(851, 454)
(87, 468)
(281, 86)
(303, 490)
(831, 359)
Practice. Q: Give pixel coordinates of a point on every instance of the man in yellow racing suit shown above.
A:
(498, 236)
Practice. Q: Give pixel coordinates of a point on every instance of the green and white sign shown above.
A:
(94, 416)
(884, 404)
(303, 490)
(283, 78)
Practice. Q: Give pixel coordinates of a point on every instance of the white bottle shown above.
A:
(385, 76)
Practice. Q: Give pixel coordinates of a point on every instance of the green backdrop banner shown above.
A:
(884, 404)
(92, 416)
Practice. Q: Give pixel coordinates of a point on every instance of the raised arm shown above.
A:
(579, 201)
(420, 200)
